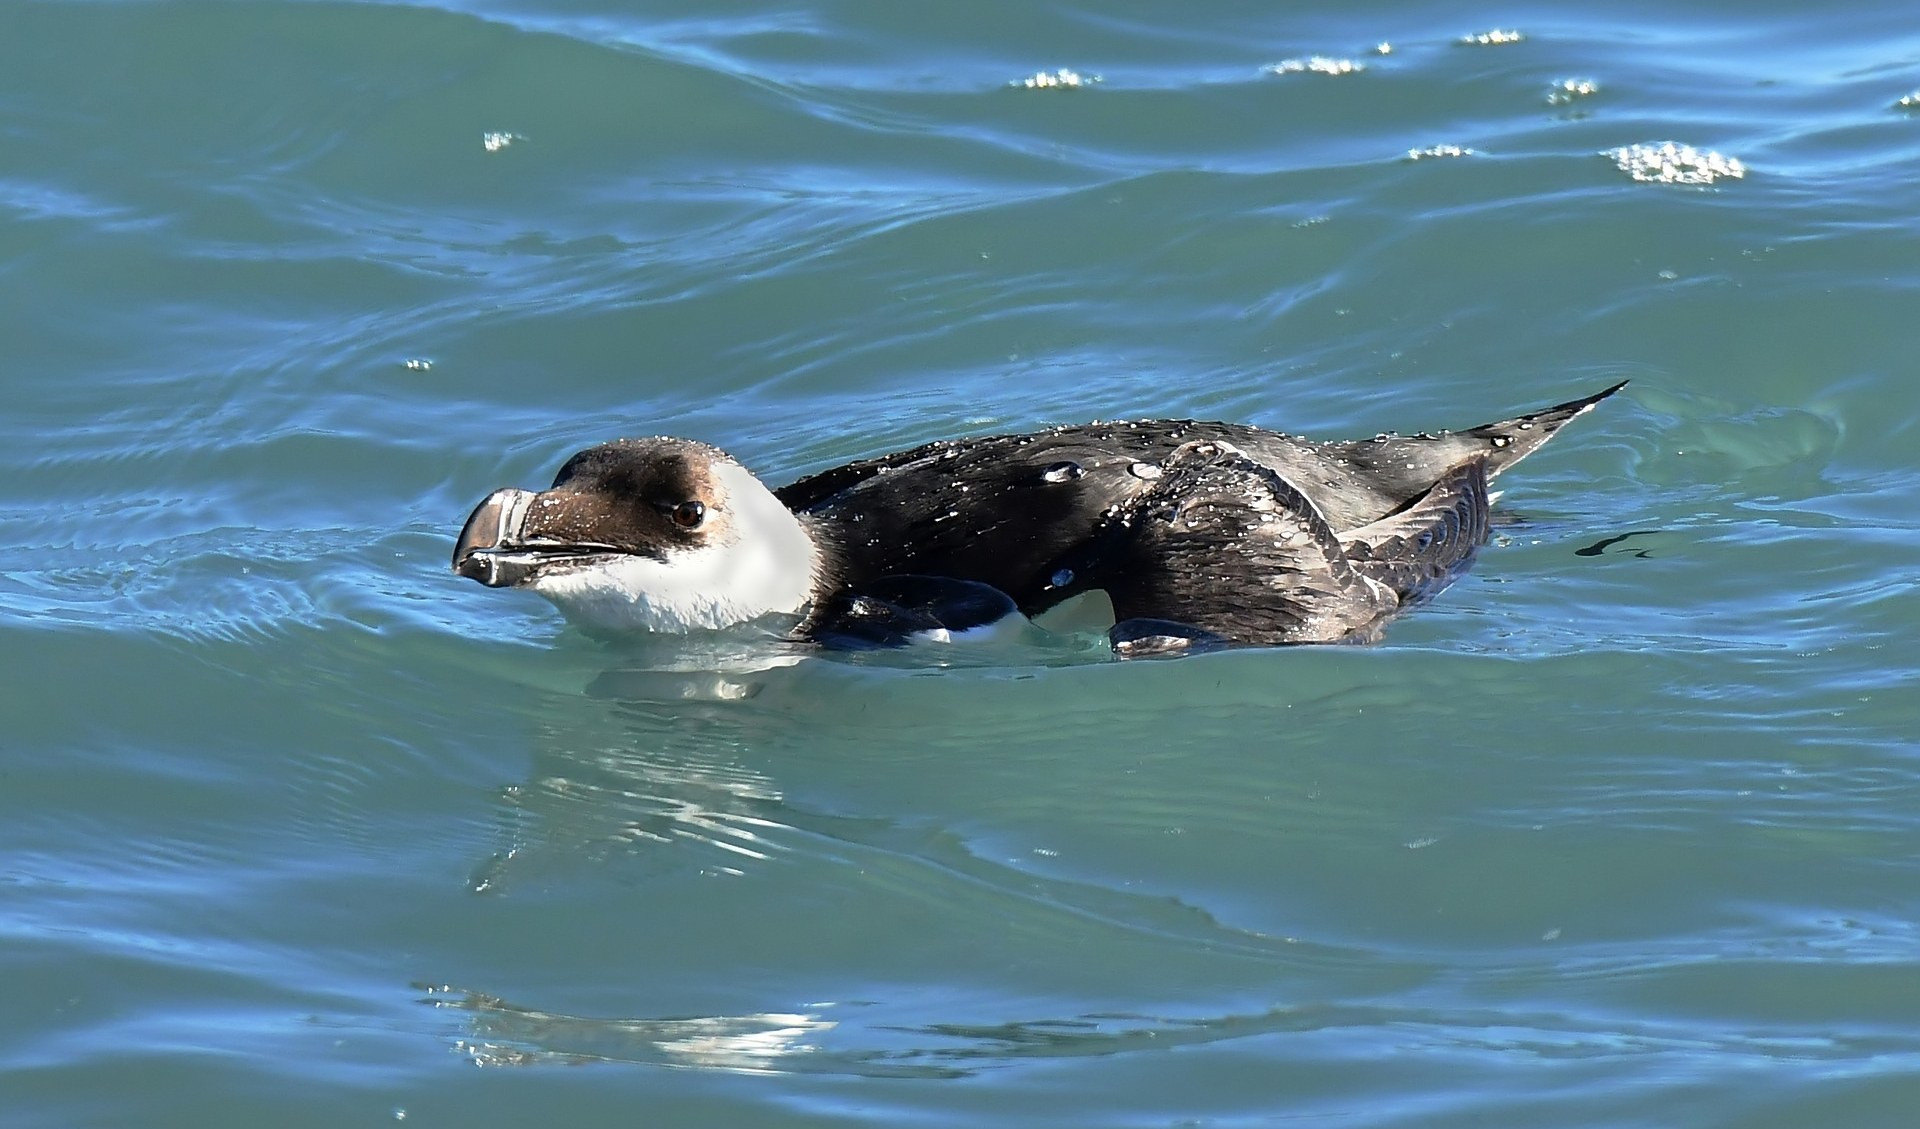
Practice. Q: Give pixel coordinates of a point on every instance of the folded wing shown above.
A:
(1224, 550)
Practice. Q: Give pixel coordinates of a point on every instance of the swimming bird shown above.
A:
(1201, 534)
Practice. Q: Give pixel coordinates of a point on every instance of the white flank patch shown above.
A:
(760, 561)
(1005, 629)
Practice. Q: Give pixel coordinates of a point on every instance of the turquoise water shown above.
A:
(297, 828)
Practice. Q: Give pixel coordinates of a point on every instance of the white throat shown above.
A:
(760, 561)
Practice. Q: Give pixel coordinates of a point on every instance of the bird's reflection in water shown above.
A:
(663, 745)
(660, 769)
(665, 772)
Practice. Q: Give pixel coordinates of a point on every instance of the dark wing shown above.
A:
(1225, 546)
(1001, 509)
(1420, 550)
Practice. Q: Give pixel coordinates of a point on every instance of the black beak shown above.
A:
(488, 542)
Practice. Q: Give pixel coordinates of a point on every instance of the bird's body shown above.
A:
(1200, 533)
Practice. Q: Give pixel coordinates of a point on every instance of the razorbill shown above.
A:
(1202, 534)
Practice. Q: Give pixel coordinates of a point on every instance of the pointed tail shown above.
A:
(1514, 439)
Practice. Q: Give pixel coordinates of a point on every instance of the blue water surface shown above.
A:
(298, 828)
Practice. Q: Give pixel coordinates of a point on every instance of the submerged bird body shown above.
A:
(1202, 534)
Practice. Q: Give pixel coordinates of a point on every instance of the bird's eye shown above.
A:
(688, 515)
